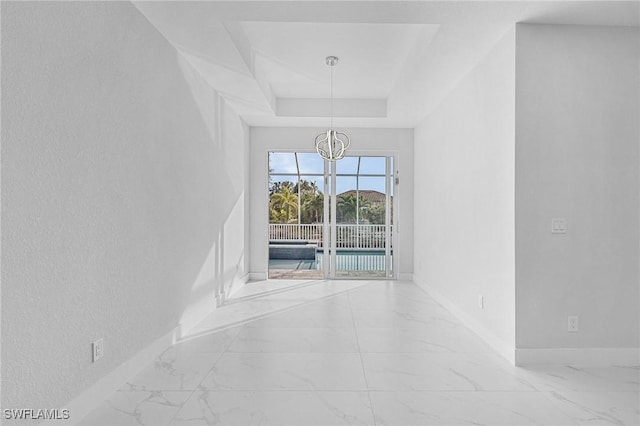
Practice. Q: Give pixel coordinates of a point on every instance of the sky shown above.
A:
(284, 162)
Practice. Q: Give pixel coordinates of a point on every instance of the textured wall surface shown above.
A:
(464, 194)
(577, 134)
(123, 198)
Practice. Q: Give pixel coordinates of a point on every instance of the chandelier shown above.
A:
(332, 145)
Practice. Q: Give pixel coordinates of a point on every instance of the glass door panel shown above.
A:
(362, 227)
(296, 215)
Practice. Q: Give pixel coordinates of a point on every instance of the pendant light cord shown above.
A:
(331, 102)
(331, 145)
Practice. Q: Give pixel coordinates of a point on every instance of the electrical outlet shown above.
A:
(481, 301)
(572, 324)
(559, 225)
(98, 349)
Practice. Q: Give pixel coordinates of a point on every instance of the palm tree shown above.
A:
(348, 205)
(306, 186)
(285, 203)
(275, 187)
(313, 206)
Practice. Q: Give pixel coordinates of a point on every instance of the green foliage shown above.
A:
(347, 207)
(373, 214)
(283, 206)
(312, 207)
(277, 187)
(283, 203)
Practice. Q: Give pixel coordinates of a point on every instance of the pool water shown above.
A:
(293, 264)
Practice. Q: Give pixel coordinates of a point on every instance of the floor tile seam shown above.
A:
(181, 407)
(244, 321)
(364, 372)
(388, 319)
(587, 391)
(292, 353)
(298, 328)
(268, 391)
(153, 390)
(590, 391)
(300, 301)
(295, 353)
(435, 353)
(303, 328)
(203, 378)
(235, 338)
(596, 391)
(299, 286)
(199, 385)
(509, 391)
(409, 317)
(308, 390)
(410, 324)
(242, 389)
(449, 390)
(349, 390)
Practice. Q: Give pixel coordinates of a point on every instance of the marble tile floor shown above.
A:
(314, 274)
(356, 353)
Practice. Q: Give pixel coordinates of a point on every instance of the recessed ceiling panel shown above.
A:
(398, 59)
(292, 56)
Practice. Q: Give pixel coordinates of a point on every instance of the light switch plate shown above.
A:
(558, 225)
(97, 348)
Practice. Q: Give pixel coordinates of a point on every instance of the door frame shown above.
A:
(395, 208)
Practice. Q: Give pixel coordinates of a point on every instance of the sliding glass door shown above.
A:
(331, 220)
(362, 217)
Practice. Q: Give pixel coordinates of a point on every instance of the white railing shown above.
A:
(287, 231)
(356, 261)
(360, 236)
(347, 235)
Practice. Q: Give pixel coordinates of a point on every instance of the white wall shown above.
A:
(464, 197)
(123, 200)
(363, 141)
(577, 136)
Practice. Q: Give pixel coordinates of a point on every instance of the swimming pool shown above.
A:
(346, 260)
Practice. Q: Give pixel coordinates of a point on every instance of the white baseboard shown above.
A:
(95, 395)
(500, 346)
(405, 276)
(257, 276)
(91, 398)
(594, 357)
(197, 312)
(241, 282)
